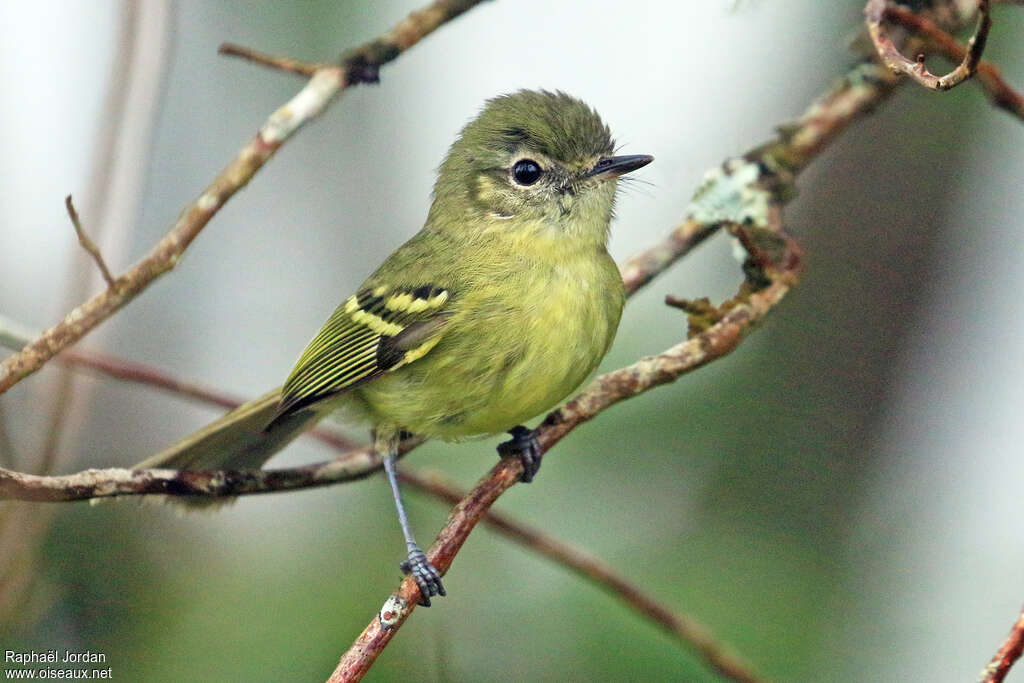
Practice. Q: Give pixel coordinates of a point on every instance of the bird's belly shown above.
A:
(475, 382)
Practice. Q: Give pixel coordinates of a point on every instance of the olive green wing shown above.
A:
(378, 330)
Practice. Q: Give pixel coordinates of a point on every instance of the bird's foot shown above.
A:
(526, 447)
(426, 575)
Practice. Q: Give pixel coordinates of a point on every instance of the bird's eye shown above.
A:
(526, 172)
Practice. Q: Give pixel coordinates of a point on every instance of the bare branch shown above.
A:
(87, 243)
(321, 89)
(685, 629)
(104, 483)
(989, 76)
(876, 11)
(1007, 655)
(288, 64)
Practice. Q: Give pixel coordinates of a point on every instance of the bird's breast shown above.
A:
(517, 345)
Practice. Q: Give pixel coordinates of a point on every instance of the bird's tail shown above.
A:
(238, 440)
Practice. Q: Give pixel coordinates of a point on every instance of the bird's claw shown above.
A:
(526, 447)
(426, 575)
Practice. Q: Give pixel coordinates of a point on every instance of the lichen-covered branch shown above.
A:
(875, 14)
(685, 629)
(362, 65)
(1007, 655)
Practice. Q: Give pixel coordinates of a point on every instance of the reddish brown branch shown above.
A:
(1007, 654)
(876, 12)
(685, 629)
(139, 373)
(325, 84)
(147, 375)
(87, 243)
(997, 89)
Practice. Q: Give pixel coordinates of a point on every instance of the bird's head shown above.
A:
(533, 161)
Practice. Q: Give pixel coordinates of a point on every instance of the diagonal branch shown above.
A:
(1007, 655)
(325, 84)
(87, 243)
(682, 627)
(875, 12)
(287, 64)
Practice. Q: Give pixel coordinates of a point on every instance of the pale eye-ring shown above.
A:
(526, 172)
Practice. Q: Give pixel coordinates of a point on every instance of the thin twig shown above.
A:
(685, 629)
(321, 89)
(87, 243)
(126, 370)
(140, 373)
(875, 13)
(288, 64)
(1007, 654)
(988, 75)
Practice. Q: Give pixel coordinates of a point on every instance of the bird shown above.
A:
(504, 302)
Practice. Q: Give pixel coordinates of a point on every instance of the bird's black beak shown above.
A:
(613, 167)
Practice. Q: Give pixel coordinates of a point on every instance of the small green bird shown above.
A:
(500, 306)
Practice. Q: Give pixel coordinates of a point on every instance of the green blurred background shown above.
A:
(838, 499)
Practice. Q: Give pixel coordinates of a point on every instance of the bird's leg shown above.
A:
(526, 447)
(426, 575)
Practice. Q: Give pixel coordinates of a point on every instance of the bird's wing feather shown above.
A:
(378, 330)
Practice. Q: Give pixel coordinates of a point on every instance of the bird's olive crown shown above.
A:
(527, 155)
